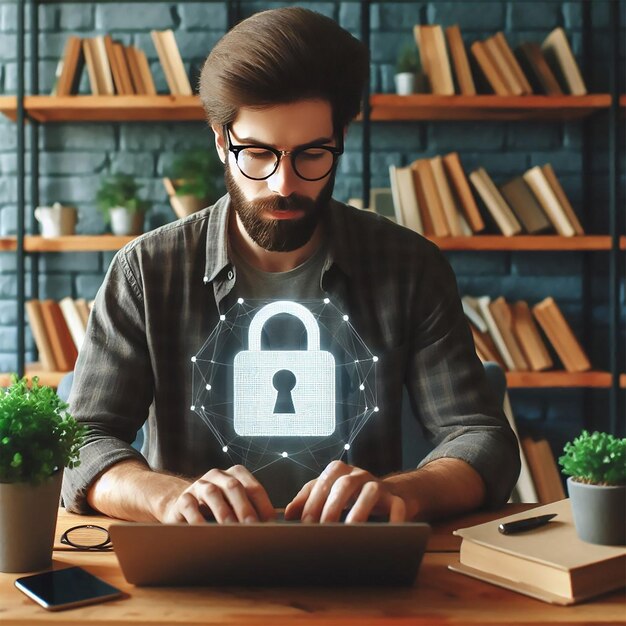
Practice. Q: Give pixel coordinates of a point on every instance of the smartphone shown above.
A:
(66, 588)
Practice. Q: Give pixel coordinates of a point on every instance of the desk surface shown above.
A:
(439, 597)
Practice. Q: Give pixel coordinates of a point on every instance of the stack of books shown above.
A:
(548, 68)
(549, 563)
(433, 197)
(507, 334)
(58, 329)
(116, 69)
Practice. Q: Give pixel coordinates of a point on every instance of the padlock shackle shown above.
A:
(276, 308)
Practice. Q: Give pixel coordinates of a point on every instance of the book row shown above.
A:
(548, 68)
(58, 330)
(507, 334)
(114, 68)
(433, 197)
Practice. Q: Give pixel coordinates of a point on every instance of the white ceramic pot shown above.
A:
(405, 83)
(125, 222)
(28, 518)
(56, 220)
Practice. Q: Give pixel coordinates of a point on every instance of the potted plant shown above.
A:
(118, 199)
(596, 466)
(407, 67)
(38, 438)
(193, 184)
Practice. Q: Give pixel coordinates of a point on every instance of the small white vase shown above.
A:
(125, 222)
(56, 220)
(405, 83)
(28, 518)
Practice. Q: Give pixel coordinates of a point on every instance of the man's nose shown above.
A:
(284, 181)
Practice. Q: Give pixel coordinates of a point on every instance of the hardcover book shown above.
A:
(560, 57)
(525, 206)
(549, 563)
(461, 187)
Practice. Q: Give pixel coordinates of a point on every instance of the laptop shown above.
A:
(270, 554)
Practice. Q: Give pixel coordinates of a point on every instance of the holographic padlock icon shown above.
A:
(312, 395)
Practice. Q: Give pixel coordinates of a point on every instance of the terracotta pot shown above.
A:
(28, 518)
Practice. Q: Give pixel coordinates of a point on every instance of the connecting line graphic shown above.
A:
(258, 347)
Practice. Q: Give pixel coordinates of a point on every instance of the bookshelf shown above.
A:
(44, 109)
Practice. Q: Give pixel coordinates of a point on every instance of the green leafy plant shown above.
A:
(37, 434)
(120, 190)
(597, 459)
(408, 60)
(196, 173)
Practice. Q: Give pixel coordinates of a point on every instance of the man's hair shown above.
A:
(282, 56)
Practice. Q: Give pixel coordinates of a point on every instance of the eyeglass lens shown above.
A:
(87, 536)
(310, 164)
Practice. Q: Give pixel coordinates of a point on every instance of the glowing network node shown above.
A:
(208, 387)
(193, 407)
(376, 409)
(240, 300)
(375, 359)
(345, 318)
(284, 455)
(193, 359)
(347, 446)
(225, 449)
(326, 301)
(362, 387)
(222, 317)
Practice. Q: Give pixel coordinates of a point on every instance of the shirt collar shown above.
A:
(217, 259)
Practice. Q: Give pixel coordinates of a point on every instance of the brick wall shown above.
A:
(75, 156)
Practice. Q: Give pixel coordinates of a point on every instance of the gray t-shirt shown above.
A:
(283, 480)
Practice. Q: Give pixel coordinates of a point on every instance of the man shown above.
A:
(280, 90)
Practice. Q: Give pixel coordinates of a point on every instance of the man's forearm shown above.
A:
(442, 488)
(130, 490)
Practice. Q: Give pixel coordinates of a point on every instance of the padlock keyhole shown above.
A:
(284, 381)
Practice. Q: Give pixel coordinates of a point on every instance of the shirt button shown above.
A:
(230, 275)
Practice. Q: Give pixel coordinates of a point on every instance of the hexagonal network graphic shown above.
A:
(284, 382)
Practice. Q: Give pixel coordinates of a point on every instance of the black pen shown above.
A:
(527, 523)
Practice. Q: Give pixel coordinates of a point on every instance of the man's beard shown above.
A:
(279, 235)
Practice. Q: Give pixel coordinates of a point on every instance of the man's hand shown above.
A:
(341, 486)
(231, 495)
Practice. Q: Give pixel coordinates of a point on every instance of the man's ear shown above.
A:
(220, 144)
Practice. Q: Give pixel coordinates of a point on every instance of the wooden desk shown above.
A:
(440, 597)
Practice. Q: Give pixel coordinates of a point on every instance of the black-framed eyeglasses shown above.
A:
(259, 162)
(87, 537)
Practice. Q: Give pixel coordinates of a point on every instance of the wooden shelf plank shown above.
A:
(114, 108)
(384, 107)
(8, 244)
(524, 242)
(51, 379)
(76, 243)
(95, 243)
(558, 379)
(390, 107)
(8, 107)
(517, 380)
